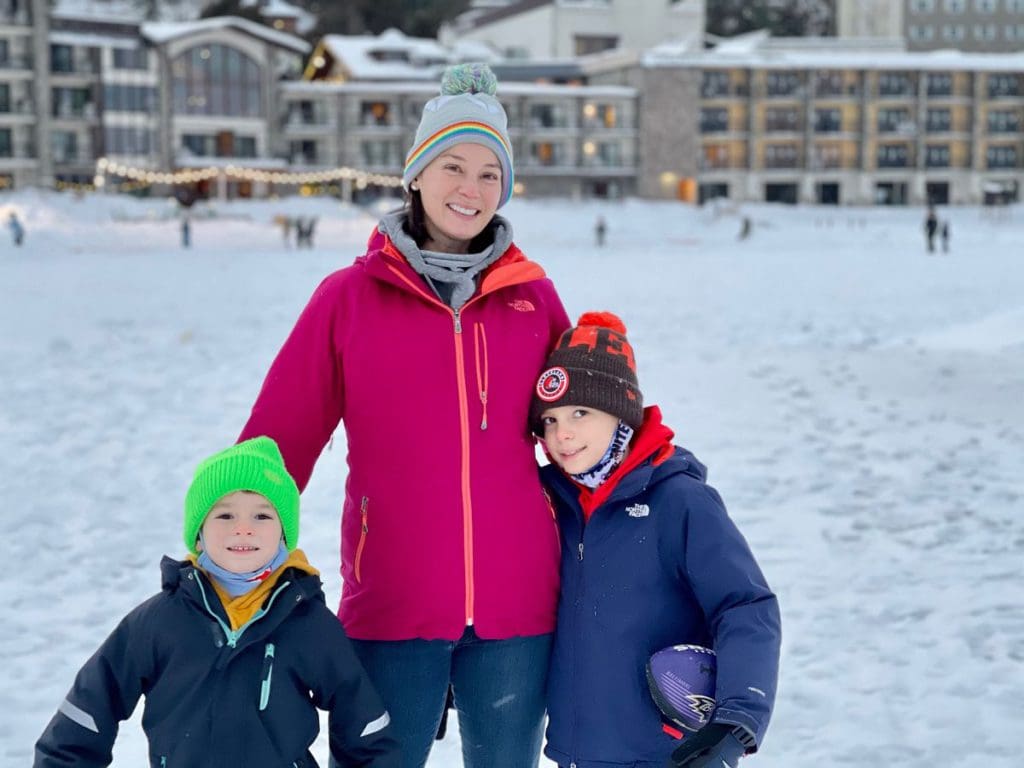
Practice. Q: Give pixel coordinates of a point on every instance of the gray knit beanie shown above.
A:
(465, 112)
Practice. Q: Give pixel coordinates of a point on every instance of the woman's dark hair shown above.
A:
(416, 224)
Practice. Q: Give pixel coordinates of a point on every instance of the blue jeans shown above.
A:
(498, 688)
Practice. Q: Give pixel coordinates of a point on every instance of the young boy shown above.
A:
(649, 559)
(238, 651)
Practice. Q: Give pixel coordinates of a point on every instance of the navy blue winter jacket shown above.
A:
(659, 563)
(219, 698)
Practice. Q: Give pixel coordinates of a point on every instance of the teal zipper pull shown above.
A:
(268, 670)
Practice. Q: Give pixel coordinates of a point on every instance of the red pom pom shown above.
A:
(603, 320)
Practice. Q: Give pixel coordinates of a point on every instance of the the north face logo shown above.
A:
(522, 305)
(638, 510)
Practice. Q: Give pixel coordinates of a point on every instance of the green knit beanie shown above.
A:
(253, 465)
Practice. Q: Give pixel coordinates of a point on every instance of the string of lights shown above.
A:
(362, 179)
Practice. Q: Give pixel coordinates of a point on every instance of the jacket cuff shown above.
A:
(744, 727)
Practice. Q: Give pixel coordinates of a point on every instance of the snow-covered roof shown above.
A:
(280, 9)
(92, 40)
(163, 31)
(505, 88)
(116, 11)
(757, 50)
(391, 55)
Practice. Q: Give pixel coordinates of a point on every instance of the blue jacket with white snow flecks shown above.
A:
(222, 698)
(651, 559)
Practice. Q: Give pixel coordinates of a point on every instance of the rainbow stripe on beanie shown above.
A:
(466, 131)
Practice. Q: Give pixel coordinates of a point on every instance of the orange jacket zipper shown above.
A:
(363, 513)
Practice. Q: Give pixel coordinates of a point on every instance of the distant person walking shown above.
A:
(600, 228)
(745, 228)
(946, 233)
(186, 232)
(17, 228)
(931, 226)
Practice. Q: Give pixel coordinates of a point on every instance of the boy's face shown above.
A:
(577, 436)
(241, 532)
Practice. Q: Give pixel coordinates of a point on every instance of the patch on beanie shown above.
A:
(468, 78)
(552, 384)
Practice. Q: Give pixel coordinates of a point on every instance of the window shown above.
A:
(131, 58)
(1001, 157)
(893, 156)
(715, 156)
(922, 6)
(828, 156)
(937, 121)
(780, 120)
(955, 6)
(894, 84)
(61, 59)
(6, 146)
(922, 32)
(828, 121)
(940, 84)
(828, 84)
(1003, 85)
(64, 145)
(936, 156)
(547, 116)
(893, 120)
(1003, 121)
(1015, 6)
(586, 44)
(714, 120)
(546, 153)
(1014, 31)
(72, 102)
(379, 153)
(245, 146)
(302, 152)
(375, 113)
(5, 97)
(782, 83)
(985, 6)
(129, 98)
(714, 84)
(954, 32)
(985, 32)
(781, 156)
(216, 80)
(128, 140)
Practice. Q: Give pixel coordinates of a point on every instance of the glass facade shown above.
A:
(217, 80)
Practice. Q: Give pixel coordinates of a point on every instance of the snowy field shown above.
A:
(860, 404)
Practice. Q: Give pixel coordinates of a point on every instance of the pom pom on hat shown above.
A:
(468, 78)
(466, 112)
(603, 320)
(592, 365)
(254, 465)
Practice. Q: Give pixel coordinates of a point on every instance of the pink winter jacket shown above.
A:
(444, 522)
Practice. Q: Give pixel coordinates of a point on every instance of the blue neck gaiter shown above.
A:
(237, 584)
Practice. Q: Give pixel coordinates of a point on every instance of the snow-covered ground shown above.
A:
(859, 402)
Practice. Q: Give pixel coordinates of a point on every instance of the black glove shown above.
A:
(713, 746)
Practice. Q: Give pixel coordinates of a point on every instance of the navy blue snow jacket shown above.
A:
(658, 563)
(223, 698)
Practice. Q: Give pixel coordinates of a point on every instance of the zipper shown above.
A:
(480, 335)
(467, 501)
(233, 636)
(364, 529)
(268, 670)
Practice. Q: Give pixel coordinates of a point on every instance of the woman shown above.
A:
(427, 348)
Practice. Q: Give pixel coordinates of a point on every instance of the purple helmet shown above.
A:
(682, 683)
